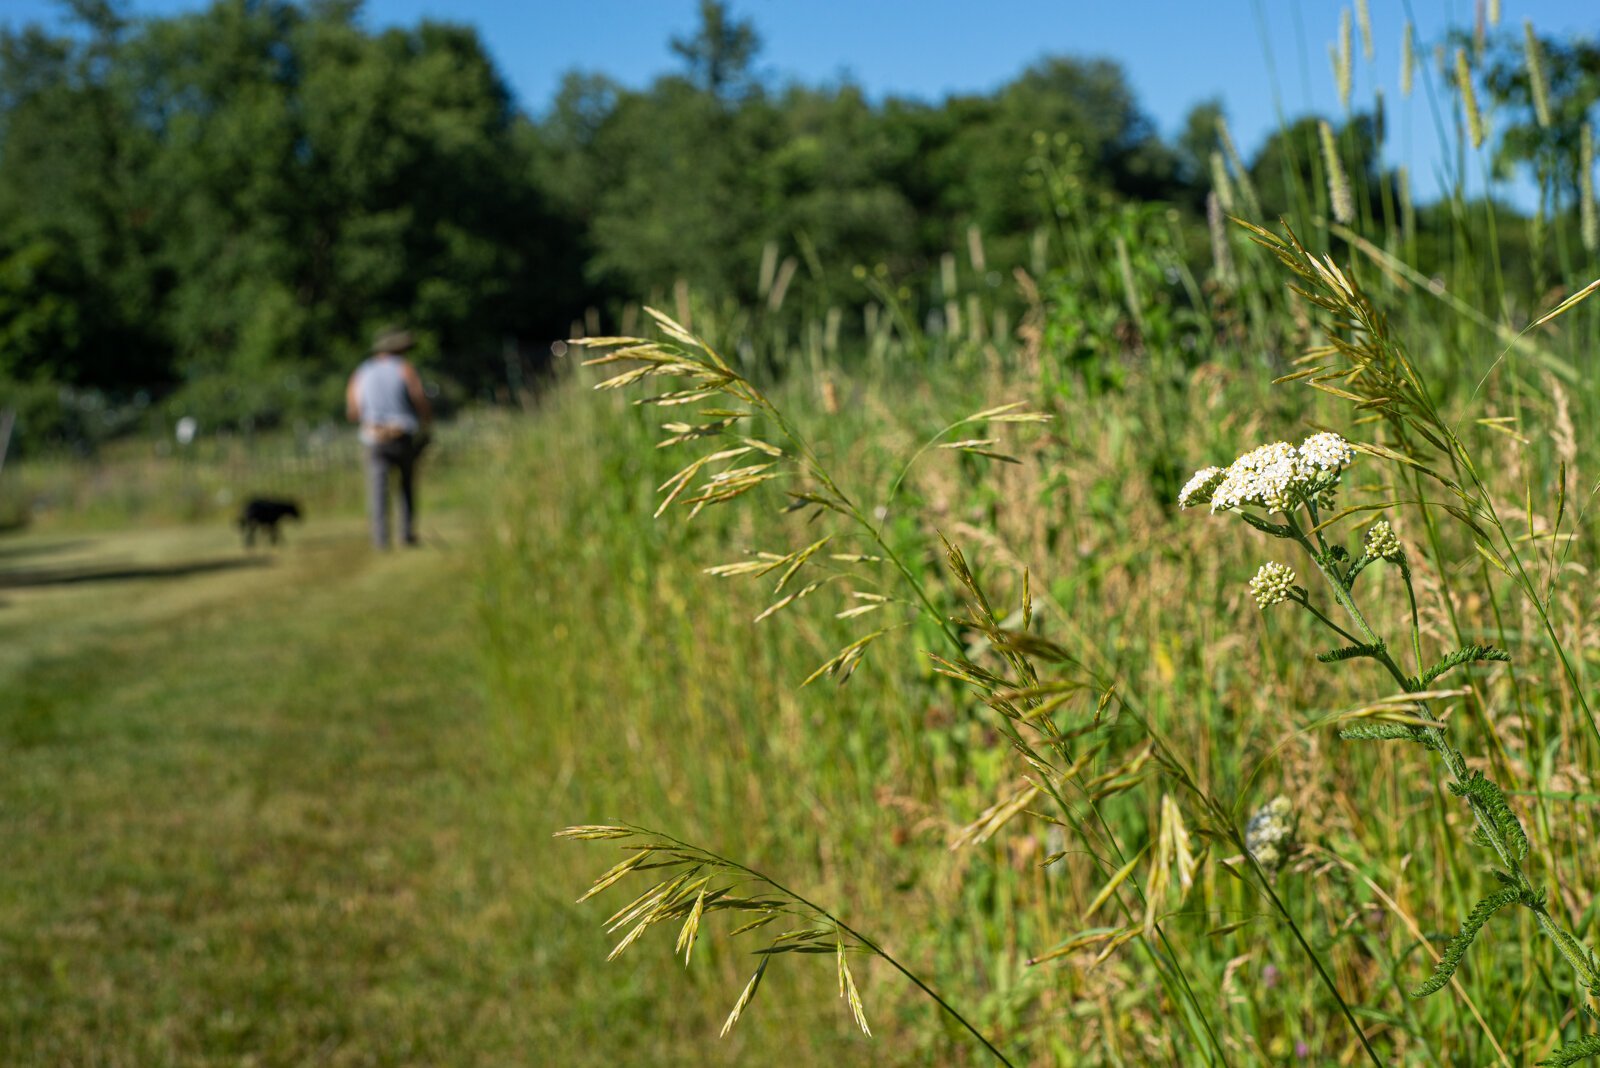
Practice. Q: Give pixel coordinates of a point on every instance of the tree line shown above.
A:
(212, 211)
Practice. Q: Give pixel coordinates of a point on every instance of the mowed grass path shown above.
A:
(243, 811)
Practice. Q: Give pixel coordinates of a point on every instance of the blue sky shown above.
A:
(1262, 57)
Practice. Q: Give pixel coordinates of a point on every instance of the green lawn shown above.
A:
(264, 814)
(237, 804)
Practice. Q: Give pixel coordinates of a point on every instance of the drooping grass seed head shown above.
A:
(1382, 543)
(1198, 489)
(1270, 834)
(1273, 584)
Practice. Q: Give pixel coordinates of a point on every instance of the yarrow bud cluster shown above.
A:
(1273, 584)
(1275, 477)
(1381, 541)
(1270, 834)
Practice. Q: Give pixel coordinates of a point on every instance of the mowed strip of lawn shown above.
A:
(240, 808)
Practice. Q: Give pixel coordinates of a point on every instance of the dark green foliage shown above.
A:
(1571, 69)
(1382, 732)
(229, 201)
(1351, 652)
(1464, 656)
(1573, 1052)
(1480, 914)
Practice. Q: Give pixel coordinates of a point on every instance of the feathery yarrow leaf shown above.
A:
(1458, 946)
(1382, 732)
(1465, 655)
(1573, 1052)
(1486, 795)
(1351, 652)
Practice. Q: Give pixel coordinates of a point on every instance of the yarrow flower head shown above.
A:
(1325, 454)
(1381, 541)
(1266, 476)
(1270, 834)
(1273, 584)
(1198, 490)
(1275, 477)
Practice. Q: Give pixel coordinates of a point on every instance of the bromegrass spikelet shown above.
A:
(1469, 98)
(1408, 60)
(1221, 251)
(1338, 184)
(1408, 211)
(1343, 76)
(1589, 218)
(1536, 83)
(1247, 188)
(1221, 185)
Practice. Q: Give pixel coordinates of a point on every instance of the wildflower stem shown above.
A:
(1416, 624)
(1305, 602)
(1571, 950)
(1316, 961)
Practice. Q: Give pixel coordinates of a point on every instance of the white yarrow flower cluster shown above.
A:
(1325, 454)
(1266, 476)
(1198, 490)
(1275, 477)
(1273, 584)
(1381, 541)
(1270, 835)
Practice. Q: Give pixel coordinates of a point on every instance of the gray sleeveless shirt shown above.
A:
(381, 393)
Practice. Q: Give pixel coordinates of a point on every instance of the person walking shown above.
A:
(385, 396)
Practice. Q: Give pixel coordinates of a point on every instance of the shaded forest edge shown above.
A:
(210, 213)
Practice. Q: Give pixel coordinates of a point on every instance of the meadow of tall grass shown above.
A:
(1075, 783)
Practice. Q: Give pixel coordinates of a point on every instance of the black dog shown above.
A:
(264, 513)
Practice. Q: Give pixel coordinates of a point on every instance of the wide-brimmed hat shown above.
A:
(392, 339)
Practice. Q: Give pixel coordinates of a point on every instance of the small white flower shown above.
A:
(1325, 454)
(1270, 834)
(1381, 541)
(1267, 476)
(1273, 584)
(1198, 490)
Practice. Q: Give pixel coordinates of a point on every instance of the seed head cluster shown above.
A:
(1273, 584)
(1275, 477)
(1381, 541)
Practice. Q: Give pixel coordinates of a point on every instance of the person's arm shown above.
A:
(352, 400)
(419, 396)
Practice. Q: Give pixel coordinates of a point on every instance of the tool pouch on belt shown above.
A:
(386, 435)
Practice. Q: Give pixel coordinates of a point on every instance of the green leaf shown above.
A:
(1464, 655)
(1480, 914)
(1487, 796)
(1573, 1052)
(1350, 652)
(1381, 732)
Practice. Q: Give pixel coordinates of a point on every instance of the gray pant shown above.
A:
(399, 455)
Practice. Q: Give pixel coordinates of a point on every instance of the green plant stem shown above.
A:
(1456, 765)
(1316, 961)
